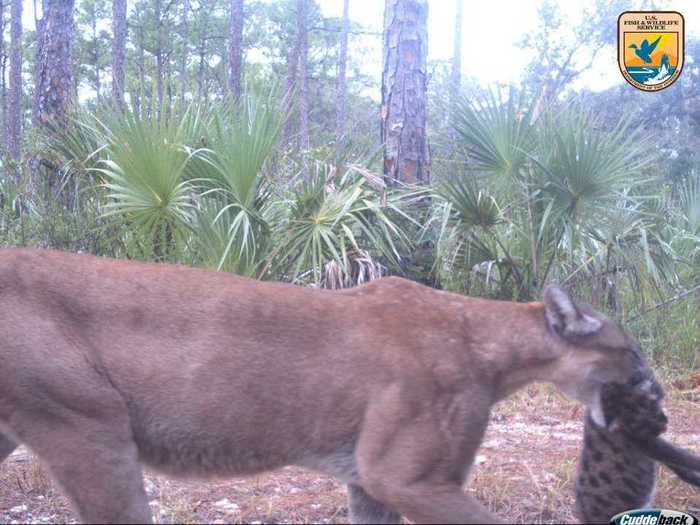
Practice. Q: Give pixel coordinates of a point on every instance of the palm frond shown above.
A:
(230, 172)
(145, 157)
(495, 133)
(332, 216)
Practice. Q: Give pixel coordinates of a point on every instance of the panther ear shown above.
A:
(564, 318)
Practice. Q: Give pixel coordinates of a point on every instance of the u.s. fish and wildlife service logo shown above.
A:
(650, 48)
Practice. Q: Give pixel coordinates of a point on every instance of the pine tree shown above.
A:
(235, 47)
(185, 51)
(3, 65)
(456, 71)
(14, 114)
(302, 74)
(404, 92)
(342, 88)
(119, 29)
(54, 81)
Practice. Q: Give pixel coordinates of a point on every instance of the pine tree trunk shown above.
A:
(159, 54)
(456, 72)
(141, 101)
(185, 48)
(302, 35)
(200, 75)
(342, 88)
(118, 50)
(3, 85)
(235, 53)
(14, 116)
(292, 69)
(201, 81)
(404, 92)
(169, 87)
(39, 23)
(96, 56)
(202, 84)
(54, 72)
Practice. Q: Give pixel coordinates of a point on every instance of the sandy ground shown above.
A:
(525, 472)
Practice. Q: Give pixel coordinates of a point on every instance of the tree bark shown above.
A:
(96, 56)
(302, 35)
(185, 48)
(141, 106)
(118, 50)
(14, 117)
(341, 87)
(292, 67)
(404, 92)
(235, 53)
(202, 51)
(54, 72)
(39, 23)
(159, 54)
(3, 66)
(169, 87)
(456, 72)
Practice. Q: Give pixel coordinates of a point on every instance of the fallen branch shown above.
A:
(665, 303)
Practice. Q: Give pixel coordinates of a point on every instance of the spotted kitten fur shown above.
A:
(614, 474)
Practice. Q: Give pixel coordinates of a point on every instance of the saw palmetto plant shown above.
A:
(142, 168)
(337, 217)
(231, 171)
(554, 195)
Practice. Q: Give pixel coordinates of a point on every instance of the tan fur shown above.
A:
(107, 364)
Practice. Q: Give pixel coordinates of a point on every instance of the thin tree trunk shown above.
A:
(14, 117)
(169, 86)
(235, 47)
(141, 101)
(159, 54)
(202, 62)
(39, 23)
(3, 85)
(302, 35)
(456, 73)
(202, 87)
(200, 73)
(185, 48)
(118, 50)
(292, 69)
(54, 72)
(404, 92)
(96, 56)
(342, 87)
